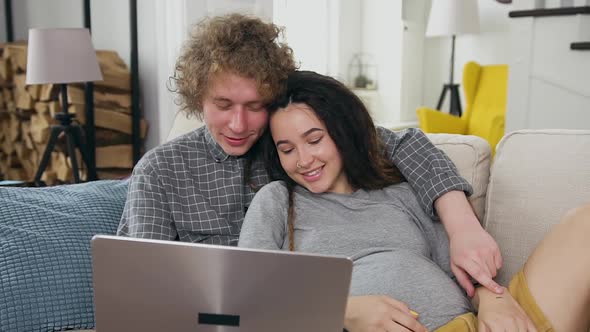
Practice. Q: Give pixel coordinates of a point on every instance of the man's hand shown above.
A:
(473, 251)
(501, 313)
(378, 313)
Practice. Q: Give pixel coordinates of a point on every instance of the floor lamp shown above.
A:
(451, 18)
(62, 56)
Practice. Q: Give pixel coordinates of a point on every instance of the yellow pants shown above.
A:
(519, 289)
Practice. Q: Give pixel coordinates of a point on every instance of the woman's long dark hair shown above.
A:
(350, 126)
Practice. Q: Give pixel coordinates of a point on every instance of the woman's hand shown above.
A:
(501, 313)
(378, 313)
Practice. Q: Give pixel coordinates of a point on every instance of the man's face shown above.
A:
(234, 112)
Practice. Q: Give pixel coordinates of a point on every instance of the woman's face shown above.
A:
(306, 150)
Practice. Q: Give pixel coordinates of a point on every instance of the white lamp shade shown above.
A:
(452, 17)
(61, 56)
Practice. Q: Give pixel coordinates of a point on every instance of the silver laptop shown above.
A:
(151, 285)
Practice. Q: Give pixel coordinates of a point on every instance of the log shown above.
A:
(25, 128)
(35, 91)
(7, 147)
(113, 173)
(5, 69)
(48, 92)
(16, 173)
(110, 59)
(13, 128)
(17, 53)
(25, 101)
(42, 107)
(3, 163)
(24, 157)
(115, 73)
(40, 127)
(54, 107)
(60, 166)
(19, 82)
(116, 79)
(11, 106)
(8, 94)
(106, 137)
(114, 156)
(49, 177)
(120, 102)
(105, 118)
(4, 119)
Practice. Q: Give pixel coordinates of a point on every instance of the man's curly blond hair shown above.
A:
(237, 44)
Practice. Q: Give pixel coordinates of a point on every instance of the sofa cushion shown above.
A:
(536, 177)
(45, 262)
(471, 155)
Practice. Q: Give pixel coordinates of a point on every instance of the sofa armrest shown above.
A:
(471, 155)
(433, 121)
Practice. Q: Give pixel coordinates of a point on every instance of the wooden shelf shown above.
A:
(550, 12)
(581, 46)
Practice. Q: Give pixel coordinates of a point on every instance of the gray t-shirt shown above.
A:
(396, 248)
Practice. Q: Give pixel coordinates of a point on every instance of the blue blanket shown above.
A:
(45, 262)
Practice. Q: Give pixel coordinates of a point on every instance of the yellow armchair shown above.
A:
(485, 89)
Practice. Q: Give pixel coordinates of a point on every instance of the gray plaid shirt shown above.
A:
(190, 189)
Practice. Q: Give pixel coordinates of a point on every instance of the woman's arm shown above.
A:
(265, 221)
(500, 312)
(378, 313)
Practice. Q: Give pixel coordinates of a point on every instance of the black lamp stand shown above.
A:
(452, 88)
(74, 138)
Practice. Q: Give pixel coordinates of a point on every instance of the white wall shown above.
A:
(307, 31)
(383, 38)
(110, 26)
(45, 14)
(414, 15)
(548, 80)
(324, 34)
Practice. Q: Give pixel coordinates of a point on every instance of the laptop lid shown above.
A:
(151, 285)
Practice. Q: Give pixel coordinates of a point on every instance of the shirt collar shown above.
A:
(216, 151)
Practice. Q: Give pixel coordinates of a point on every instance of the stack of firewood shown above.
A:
(27, 113)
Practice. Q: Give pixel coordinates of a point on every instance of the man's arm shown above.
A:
(473, 250)
(146, 213)
(442, 193)
(428, 170)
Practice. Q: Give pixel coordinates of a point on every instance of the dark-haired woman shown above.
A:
(338, 195)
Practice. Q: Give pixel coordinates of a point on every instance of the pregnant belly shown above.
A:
(413, 279)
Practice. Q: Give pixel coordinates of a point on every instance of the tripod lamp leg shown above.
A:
(55, 131)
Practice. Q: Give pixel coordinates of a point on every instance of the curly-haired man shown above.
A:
(197, 187)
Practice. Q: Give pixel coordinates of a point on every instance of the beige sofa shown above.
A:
(536, 176)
